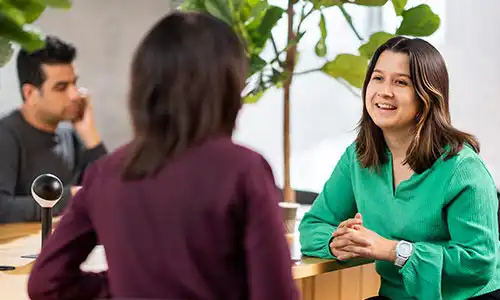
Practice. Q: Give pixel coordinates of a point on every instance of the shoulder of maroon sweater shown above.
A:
(113, 159)
(223, 148)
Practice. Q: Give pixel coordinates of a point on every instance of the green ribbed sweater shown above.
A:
(449, 213)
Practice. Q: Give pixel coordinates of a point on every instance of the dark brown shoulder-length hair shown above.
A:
(433, 131)
(187, 76)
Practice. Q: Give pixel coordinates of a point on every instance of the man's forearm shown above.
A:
(93, 154)
(18, 209)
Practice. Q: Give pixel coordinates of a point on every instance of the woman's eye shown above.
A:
(377, 78)
(401, 82)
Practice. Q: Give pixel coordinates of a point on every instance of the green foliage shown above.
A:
(14, 16)
(399, 6)
(349, 67)
(419, 21)
(254, 21)
(376, 39)
(320, 48)
(328, 3)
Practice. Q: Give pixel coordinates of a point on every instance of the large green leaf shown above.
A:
(6, 51)
(31, 9)
(278, 78)
(235, 5)
(419, 21)
(259, 30)
(325, 3)
(219, 9)
(66, 4)
(12, 12)
(256, 64)
(13, 32)
(376, 39)
(369, 2)
(252, 13)
(351, 68)
(253, 97)
(193, 5)
(256, 8)
(328, 3)
(399, 6)
(320, 47)
(272, 16)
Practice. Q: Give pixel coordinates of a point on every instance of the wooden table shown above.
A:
(315, 277)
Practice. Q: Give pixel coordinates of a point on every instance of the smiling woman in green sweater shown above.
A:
(411, 192)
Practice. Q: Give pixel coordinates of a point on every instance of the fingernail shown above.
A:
(83, 91)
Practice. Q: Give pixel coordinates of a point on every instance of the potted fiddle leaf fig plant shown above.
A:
(15, 15)
(255, 20)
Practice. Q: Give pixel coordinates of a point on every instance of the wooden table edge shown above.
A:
(309, 266)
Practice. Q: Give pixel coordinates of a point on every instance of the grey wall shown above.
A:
(472, 40)
(106, 33)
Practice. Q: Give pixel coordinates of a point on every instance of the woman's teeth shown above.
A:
(385, 106)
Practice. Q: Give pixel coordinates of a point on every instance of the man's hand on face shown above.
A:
(85, 125)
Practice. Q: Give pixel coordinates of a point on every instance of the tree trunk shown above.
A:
(288, 192)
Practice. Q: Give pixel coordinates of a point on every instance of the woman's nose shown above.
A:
(385, 91)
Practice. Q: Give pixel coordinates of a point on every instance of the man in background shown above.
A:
(53, 131)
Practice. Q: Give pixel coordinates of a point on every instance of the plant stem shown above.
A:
(273, 41)
(304, 16)
(348, 87)
(307, 71)
(288, 193)
(349, 20)
(294, 41)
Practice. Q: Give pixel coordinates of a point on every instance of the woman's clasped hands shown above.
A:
(352, 239)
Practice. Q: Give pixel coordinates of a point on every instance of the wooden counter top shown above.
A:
(24, 239)
(312, 266)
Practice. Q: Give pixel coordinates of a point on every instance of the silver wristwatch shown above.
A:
(403, 251)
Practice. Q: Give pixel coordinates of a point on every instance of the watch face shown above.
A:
(404, 249)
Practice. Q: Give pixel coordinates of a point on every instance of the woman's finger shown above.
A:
(357, 237)
(339, 243)
(352, 222)
(342, 255)
(342, 231)
(359, 250)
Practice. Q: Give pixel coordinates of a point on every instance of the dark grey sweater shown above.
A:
(25, 153)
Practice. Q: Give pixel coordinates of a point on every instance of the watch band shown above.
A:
(404, 250)
(400, 261)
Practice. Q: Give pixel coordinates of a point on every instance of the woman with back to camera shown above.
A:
(411, 192)
(182, 212)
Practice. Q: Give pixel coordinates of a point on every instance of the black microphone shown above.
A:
(47, 190)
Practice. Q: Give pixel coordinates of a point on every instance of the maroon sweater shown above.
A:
(206, 227)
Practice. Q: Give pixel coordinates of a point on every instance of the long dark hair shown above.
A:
(186, 80)
(433, 132)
